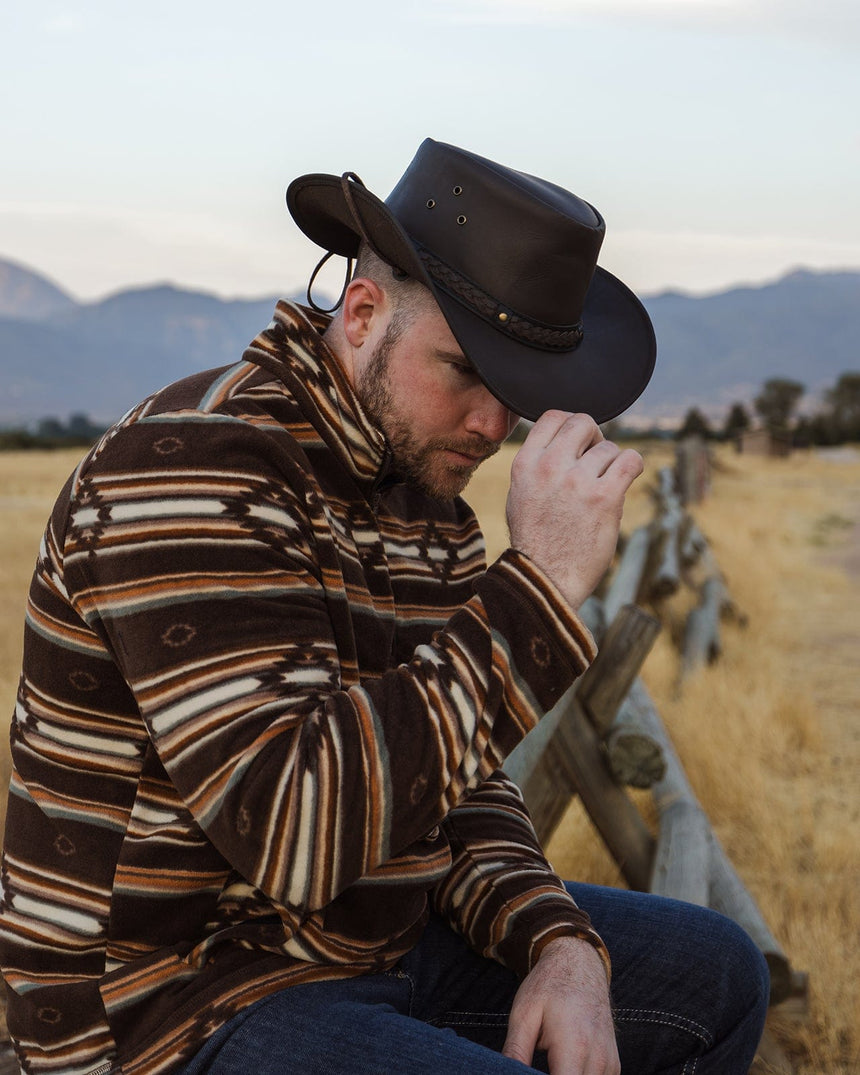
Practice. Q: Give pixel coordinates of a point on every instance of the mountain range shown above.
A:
(59, 356)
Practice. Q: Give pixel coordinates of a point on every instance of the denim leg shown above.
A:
(455, 988)
(357, 1026)
(689, 987)
(689, 990)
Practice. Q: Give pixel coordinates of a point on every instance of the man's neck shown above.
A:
(336, 341)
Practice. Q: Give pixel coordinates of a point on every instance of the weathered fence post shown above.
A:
(635, 757)
(662, 576)
(679, 861)
(626, 580)
(693, 469)
(623, 649)
(701, 643)
(564, 755)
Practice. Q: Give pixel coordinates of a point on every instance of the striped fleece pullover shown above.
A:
(265, 696)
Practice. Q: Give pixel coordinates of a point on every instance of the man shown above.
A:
(257, 820)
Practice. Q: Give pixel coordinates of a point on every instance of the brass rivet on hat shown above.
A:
(503, 316)
(461, 219)
(458, 189)
(431, 203)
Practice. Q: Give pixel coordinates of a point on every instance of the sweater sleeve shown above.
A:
(501, 894)
(215, 588)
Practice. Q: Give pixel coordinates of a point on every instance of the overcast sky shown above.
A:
(720, 139)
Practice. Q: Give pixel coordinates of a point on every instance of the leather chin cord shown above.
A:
(346, 183)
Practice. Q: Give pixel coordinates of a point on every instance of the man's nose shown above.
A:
(490, 418)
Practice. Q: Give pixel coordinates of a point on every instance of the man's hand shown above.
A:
(563, 1007)
(567, 493)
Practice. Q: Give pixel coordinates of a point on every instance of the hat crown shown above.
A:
(530, 244)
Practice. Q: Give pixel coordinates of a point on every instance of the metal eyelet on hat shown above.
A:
(431, 203)
(461, 219)
(458, 190)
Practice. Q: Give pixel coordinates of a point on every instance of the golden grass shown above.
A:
(29, 482)
(769, 734)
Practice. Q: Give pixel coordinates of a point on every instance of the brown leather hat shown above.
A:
(512, 262)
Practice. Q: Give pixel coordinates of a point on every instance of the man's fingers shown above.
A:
(523, 1030)
(606, 458)
(626, 465)
(514, 1049)
(566, 497)
(563, 1006)
(579, 432)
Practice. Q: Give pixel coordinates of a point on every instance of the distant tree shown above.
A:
(805, 433)
(81, 428)
(79, 431)
(14, 440)
(79, 425)
(843, 407)
(776, 403)
(695, 424)
(51, 429)
(737, 421)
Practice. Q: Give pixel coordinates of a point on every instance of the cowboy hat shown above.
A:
(512, 262)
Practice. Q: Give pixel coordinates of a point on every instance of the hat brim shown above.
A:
(606, 373)
(602, 377)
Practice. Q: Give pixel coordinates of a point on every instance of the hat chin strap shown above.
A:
(346, 183)
(315, 273)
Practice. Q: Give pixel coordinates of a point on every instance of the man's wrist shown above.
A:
(577, 945)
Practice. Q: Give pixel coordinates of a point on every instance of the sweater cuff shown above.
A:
(582, 933)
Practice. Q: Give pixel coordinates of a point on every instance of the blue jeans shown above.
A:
(689, 991)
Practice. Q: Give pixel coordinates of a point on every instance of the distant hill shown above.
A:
(100, 358)
(717, 349)
(58, 356)
(28, 296)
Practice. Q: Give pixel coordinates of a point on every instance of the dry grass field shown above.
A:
(769, 735)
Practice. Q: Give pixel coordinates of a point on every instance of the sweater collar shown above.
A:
(293, 349)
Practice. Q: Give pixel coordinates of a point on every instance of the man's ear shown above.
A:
(364, 307)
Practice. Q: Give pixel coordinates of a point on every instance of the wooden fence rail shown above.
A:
(605, 734)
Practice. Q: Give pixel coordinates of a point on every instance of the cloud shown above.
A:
(835, 23)
(62, 23)
(93, 251)
(264, 254)
(702, 262)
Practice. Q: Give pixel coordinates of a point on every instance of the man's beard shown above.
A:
(418, 464)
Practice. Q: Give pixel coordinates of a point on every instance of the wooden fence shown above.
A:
(606, 735)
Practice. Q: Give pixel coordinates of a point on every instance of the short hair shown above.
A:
(409, 297)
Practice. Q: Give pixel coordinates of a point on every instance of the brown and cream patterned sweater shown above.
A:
(266, 693)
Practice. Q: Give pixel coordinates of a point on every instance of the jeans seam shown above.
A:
(471, 1019)
(648, 1015)
(398, 973)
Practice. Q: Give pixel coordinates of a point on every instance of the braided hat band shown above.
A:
(534, 333)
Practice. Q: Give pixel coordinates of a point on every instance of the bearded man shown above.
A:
(258, 820)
